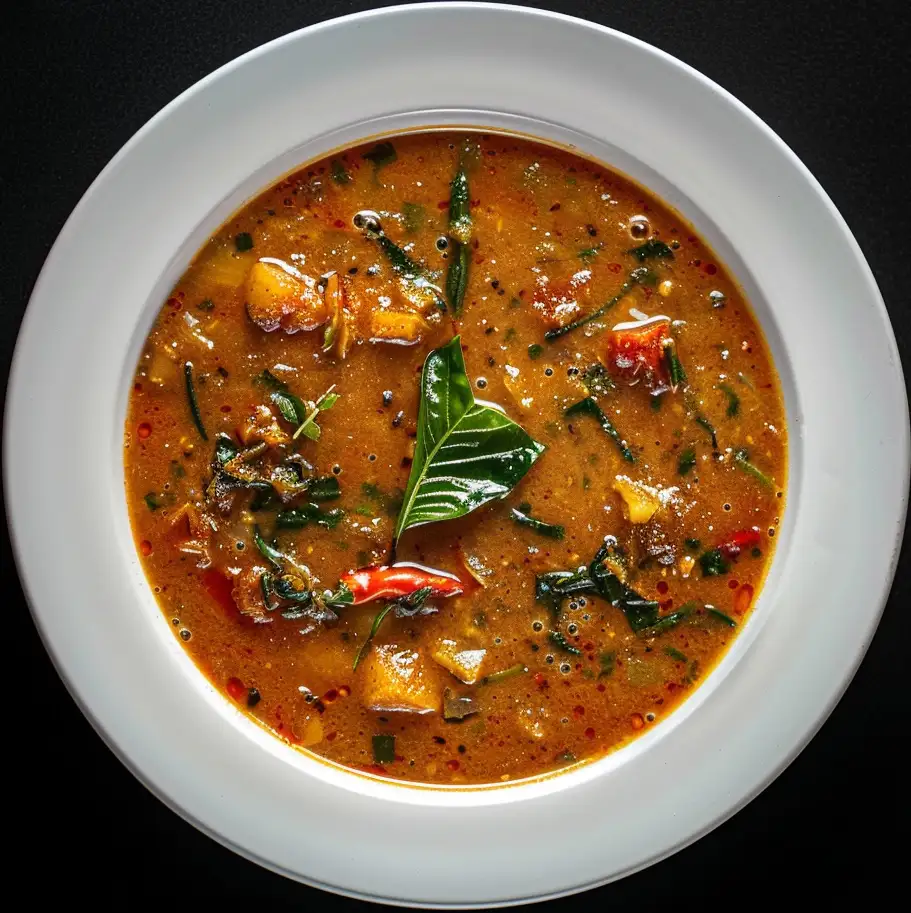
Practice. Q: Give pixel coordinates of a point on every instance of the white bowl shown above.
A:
(569, 82)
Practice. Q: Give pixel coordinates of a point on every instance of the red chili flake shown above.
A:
(614, 267)
(344, 691)
(145, 548)
(479, 260)
(330, 737)
(174, 303)
(589, 733)
(710, 269)
(667, 604)
(601, 688)
(144, 431)
(330, 695)
(637, 721)
(671, 686)
(236, 689)
(137, 387)
(225, 408)
(453, 764)
(443, 204)
(733, 584)
(338, 223)
(662, 586)
(540, 680)
(578, 710)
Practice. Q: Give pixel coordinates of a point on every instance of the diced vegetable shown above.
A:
(458, 706)
(399, 679)
(464, 664)
(402, 328)
(280, 297)
(641, 500)
(383, 748)
(637, 352)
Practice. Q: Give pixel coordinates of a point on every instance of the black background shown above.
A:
(79, 78)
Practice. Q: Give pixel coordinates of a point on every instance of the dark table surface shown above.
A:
(80, 78)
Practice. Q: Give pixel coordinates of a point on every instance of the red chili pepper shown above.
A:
(636, 351)
(740, 541)
(398, 580)
(220, 589)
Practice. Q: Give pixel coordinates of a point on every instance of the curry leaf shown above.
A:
(467, 453)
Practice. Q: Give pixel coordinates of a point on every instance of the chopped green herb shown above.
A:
(653, 249)
(152, 501)
(656, 402)
(703, 422)
(377, 621)
(733, 399)
(383, 749)
(691, 672)
(588, 406)
(380, 155)
(561, 643)
(596, 380)
(724, 619)
(567, 757)
(713, 563)
(693, 544)
(308, 426)
(206, 304)
(339, 173)
(745, 381)
(675, 654)
(674, 368)
(268, 380)
(414, 216)
(291, 407)
(323, 488)
(509, 335)
(636, 277)
(305, 514)
(756, 552)
(496, 677)
(275, 558)
(191, 397)
(608, 662)
(243, 241)
(586, 483)
(589, 254)
(523, 518)
(687, 461)
(534, 351)
(742, 461)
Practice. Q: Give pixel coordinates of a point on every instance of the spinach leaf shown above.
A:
(339, 173)
(534, 351)
(383, 749)
(588, 406)
(467, 454)
(244, 241)
(303, 515)
(733, 399)
(687, 461)
(561, 643)
(713, 563)
(324, 488)
(653, 249)
(380, 155)
(291, 407)
(608, 661)
(152, 501)
(191, 397)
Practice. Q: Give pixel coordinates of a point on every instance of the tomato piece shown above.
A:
(398, 580)
(636, 351)
(220, 589)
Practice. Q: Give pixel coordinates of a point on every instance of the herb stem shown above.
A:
(194, 404)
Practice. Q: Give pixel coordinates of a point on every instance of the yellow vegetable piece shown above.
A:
(399, 679)
(641, 500)
(280, 297)
(226, 267)
(397, 327)
(465, 665)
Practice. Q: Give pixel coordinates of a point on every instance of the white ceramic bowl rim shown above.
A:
(215, 146)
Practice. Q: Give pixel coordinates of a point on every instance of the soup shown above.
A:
(456, 458)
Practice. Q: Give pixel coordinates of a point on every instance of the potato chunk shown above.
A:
(262, 425)
(399, 678)
(280, 297)
(399, 327)
(641, 500)
(464, 664)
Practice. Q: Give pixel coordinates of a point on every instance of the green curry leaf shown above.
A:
(467, 453)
